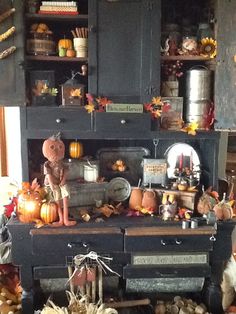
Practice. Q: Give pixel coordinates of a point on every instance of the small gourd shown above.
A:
(65, 43)
(76, 149)
(49, 212)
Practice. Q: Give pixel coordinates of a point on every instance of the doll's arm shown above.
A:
(50, 181)
(63, 178)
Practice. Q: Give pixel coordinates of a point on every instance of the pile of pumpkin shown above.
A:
(33, 206)
(65, 48)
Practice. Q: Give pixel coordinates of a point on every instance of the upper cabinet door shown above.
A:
(12, 78)
(225, 80)
(124, 49)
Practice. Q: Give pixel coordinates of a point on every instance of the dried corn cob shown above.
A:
(7, 14)
(8, 33)
(7, 52)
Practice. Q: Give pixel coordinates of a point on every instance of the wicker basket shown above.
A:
(41, 44)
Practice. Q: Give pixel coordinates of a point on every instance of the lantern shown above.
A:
(29, 205)
(72, 92)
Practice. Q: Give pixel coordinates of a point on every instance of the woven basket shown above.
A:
(41, 44)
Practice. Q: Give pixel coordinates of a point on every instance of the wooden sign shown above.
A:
(126, 108)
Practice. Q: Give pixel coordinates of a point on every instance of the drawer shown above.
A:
(163, 239)
(150, 271)
(122, 122)
(69, 242)
(46, 272)
(58, 119)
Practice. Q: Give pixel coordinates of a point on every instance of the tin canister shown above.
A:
(154, 171)
(90, 173)
(194, 224)
(198, 84)
(185, 224)
(197, 111)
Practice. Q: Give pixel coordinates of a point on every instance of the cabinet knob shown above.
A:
(212, 238)
(123, 121)
(163, 242)
(178, 242)
(58, 120)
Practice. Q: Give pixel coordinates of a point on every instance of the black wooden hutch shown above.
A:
(123, 64)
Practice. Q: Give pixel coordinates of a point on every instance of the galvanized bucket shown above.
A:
(197, 111)
(198, 84)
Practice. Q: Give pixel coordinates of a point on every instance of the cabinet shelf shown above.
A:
(186, 58)
(59, 18)
(55, 58)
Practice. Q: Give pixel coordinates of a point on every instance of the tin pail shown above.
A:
(197, 111)
(198, 84)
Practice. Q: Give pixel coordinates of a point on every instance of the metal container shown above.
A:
(87, 194)
(197, 111)
(91, 173)
(154, 171)
(76, 168)
(198, 84)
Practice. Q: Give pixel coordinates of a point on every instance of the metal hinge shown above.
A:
(150, 90)
(149, 5)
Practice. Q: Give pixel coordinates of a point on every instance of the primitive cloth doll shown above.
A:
(55, 177)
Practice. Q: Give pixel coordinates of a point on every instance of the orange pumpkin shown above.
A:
(70, 53)
(49, 212)
(29, 205)
(76, 150)
(65, 43)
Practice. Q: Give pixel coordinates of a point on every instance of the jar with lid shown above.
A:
(90, 173)
(189, 44)
(204, 30)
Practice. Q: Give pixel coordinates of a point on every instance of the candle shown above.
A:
(181, 162)
(191, 161)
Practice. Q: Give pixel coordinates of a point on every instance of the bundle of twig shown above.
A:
(80, 32)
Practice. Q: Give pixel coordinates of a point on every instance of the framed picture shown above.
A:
(42, 88)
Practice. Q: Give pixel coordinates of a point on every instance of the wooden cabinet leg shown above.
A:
(27, 302)
(27, 283)
(213, 298)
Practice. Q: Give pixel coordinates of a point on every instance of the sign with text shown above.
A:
(126, 108)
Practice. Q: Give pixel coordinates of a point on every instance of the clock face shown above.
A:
(118, 189)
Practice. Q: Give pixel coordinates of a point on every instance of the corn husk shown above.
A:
(77, 305)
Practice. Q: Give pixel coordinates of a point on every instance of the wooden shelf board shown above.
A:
(55, 58)
(186, 58)
(57, 17)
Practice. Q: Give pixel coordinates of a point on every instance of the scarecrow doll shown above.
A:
(55, 177)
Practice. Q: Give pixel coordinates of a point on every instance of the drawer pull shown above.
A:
(58, 120)
(171, 242)
(178, 242)
(78, 244)
(123, 121)
(213, 238)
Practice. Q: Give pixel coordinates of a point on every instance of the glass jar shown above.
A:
(189, 43)
(204, 30)
(90, 173)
